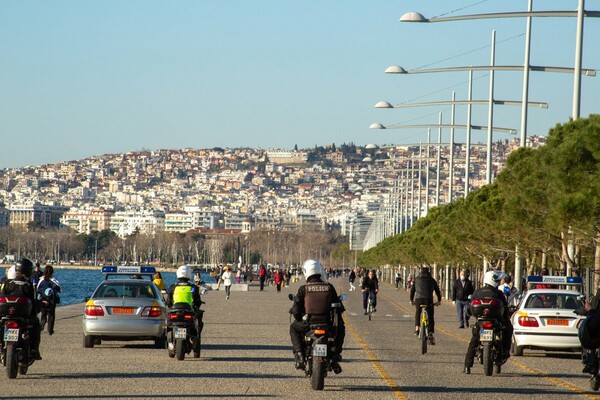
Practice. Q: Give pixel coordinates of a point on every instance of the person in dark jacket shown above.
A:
(421, 293)
(461, 291)
(489, 290)
(48, 291)
(312, 304)
(370, 287)
(22, 286)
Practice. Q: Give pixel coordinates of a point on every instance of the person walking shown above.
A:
(262, 276)
(226, 278)
(398, 278)
(351, 279)
(158, 281)
(278, 278)
(48, 289)
(461, 291)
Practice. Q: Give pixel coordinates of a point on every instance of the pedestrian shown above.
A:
(48, 289)
(278, 278)
(226, 278)
(288, 276)
(409, 281)
(238, 275)
(262, 276)
(158, 281)
(351, 279)
(461, 291)
(510, 291)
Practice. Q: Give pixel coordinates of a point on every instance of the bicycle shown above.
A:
(370, 308)
(424, 335)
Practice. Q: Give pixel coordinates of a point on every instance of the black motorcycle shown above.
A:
(319, 342)
(16, 337)
(183, 331)
(489, 314)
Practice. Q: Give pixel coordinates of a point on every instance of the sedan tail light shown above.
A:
(151, 312)
(94, 311)
(529, 322)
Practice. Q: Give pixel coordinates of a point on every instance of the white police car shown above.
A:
(545, 317)
(127, 307)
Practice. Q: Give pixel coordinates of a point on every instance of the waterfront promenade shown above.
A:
(247, 354)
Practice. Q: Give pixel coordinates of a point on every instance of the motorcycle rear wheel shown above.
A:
(317, 379)
(11, 362)
(488, 362)
(180, 349)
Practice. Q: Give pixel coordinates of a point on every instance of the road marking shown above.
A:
(524, 367)
(382, 372)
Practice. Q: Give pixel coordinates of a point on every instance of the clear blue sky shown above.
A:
(83, 78)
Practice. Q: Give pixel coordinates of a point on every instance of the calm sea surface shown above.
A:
(77, 284)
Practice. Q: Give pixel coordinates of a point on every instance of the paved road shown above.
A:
(247, 354)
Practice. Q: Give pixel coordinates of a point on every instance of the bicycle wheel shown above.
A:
(369, 309)
(423, 333)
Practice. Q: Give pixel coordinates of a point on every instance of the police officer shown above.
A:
(312, 304)
(21, 286)
(489, 290)
(186, 292)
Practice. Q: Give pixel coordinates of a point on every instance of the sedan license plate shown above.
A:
(11, 335)
(557, 322)
(320, 350)
(122, 310)
(180, 333)
(486, 335)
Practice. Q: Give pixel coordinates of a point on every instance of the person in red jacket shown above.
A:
(278, 278)
(262, 275)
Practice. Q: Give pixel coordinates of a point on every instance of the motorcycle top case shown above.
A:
(10, 306)
(490, 308)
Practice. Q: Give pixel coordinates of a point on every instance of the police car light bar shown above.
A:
(128, 270)
(556, 280)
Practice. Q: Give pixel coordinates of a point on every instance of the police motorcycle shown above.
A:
(319, 343)
(590, 344)
(183, 333)
(488, 313)
(16, 337)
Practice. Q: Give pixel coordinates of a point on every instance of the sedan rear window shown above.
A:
(554, 300)
(121, 289)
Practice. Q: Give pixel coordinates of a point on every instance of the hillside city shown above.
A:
(240, 190)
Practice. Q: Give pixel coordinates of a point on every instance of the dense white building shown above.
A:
(125, 223)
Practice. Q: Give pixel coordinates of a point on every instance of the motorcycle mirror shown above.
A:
(343, 297)
(291, 297)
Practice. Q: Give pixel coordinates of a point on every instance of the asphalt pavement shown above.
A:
(247, 354)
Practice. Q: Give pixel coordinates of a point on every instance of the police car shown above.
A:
(545, 318)
(127, 305)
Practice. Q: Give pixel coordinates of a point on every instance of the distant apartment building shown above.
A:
(48, 215)
(308, 220)
(203, 218)
(178, 221)
(87, 221)
(287, 157)
(125, 223)
(238, 222)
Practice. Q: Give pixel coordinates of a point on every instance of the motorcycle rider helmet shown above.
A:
(312, 267)
(493, 278)
(24, 267)
(11, 273)
(587, 341)
(184, 272)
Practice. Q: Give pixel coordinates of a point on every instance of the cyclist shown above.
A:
(489, 290)
(370, 287)
(421, 293)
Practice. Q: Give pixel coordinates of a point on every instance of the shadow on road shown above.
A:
(139, 396)
(110, 375)
(500, 391)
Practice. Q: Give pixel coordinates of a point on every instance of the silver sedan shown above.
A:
(125, 309)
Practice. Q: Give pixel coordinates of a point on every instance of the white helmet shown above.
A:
(312, 267)
(493, 278)
(184, 272)
(11, 273)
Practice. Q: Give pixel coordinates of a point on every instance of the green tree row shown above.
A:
(546, 203)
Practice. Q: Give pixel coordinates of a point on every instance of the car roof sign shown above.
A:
(554, 280)
(127, 270)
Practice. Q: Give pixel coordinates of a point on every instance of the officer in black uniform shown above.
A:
(21, 286)
(489, 290)
(314, 300)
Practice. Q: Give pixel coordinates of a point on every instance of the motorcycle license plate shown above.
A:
(320, 350)
(180, 333)
(486, 335)
(11, 335)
